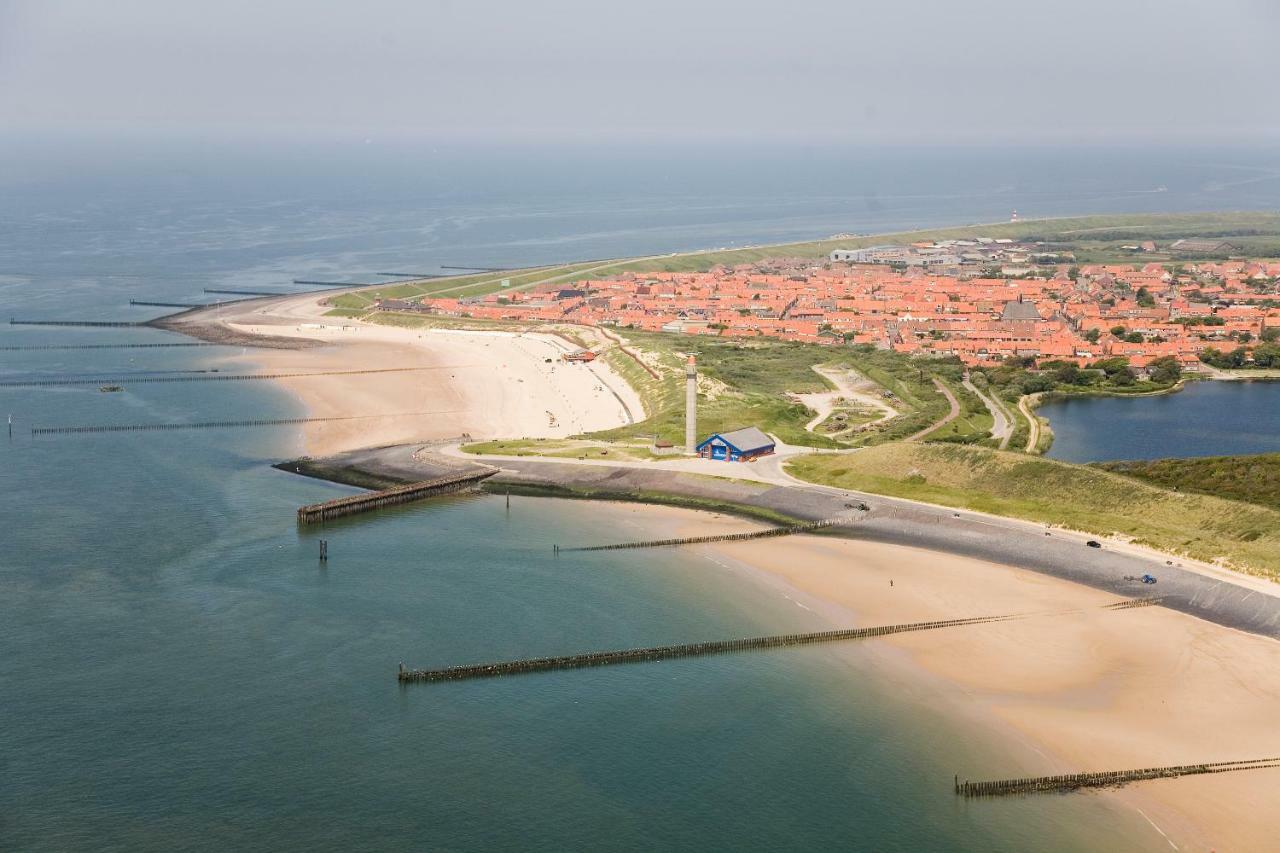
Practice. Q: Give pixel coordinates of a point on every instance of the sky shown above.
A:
(708, 71)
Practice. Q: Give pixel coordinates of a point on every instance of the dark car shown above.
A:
(1094, 543)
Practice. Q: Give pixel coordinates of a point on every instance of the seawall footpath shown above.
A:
(1246, 605)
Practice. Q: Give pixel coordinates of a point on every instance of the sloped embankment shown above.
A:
(1201, 527)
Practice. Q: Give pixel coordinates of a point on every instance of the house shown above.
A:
(1203, 247)
(741, 445)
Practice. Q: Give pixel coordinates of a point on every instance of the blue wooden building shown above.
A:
(741, 445)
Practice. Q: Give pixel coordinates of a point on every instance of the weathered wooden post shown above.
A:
(324, 550)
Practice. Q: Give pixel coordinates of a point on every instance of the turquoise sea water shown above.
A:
(1205, 419)
(177, 671)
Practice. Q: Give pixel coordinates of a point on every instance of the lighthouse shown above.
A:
(690, 407)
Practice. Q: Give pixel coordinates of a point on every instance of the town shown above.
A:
(984, 301)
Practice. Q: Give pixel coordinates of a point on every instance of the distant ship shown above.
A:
(110, 388)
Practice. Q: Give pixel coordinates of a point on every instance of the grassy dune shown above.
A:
(1245, 537)
(1254, 479)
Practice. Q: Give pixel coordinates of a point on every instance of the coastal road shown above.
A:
(1002, 428)
(1199, 589)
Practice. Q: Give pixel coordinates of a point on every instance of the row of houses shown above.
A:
(1080, 314)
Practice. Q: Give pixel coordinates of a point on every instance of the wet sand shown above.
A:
(1094, 690)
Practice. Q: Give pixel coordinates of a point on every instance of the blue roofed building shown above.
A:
(741, 445)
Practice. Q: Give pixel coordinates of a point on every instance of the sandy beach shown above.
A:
(1095, 690)
(482, 384)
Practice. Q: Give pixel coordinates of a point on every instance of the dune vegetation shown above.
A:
(1078, 497)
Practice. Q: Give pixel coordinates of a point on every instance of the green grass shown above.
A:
(1073, 496)
(757, 375)
(973, 424)
(1253, 479)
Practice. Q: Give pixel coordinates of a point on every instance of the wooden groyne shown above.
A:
(1104, 779)
(218, 424)
(220, 377)
(251, 292)
(369, 501)
(684, 650)
(334, 283)
(788, 530)
(107, 346)
(413, 276)
(208, 424)
(100, 323)
(173, 304)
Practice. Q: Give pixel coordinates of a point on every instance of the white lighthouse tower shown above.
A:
(690, 406)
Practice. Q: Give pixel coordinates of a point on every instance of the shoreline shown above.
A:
(1115, 695)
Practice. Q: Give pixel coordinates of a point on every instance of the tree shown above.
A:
(1118, 331)
(1165, 370)
(1271, 334)
(1112, 366)
(1133, 338)
(1093, 335)
(1266, 355)
(1063, 372)
(1225, 360)
(1145, 299)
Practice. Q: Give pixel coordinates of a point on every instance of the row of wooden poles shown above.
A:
(199, 425)
(173, 304)
(314, 513)
(109, 346)
(1103, 779)
(220, 377)
(13, 322)
(788, 530)
(684, 650)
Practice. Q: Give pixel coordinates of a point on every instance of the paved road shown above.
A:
(1002, 428)
(1033, 437)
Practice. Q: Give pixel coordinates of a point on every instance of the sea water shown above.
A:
(179, 671)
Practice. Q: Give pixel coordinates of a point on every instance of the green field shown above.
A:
(752, 380)
(1254, 479)
(1073, 496)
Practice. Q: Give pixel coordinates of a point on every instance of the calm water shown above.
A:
(1206, 419)
(178, 672)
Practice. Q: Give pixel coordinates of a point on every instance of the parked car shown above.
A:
(1094, 543)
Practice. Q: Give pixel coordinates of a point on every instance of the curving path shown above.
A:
(1033, 435)
(950, 416)
(1002, 426)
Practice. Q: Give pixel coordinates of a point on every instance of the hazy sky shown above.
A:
(926, 71)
